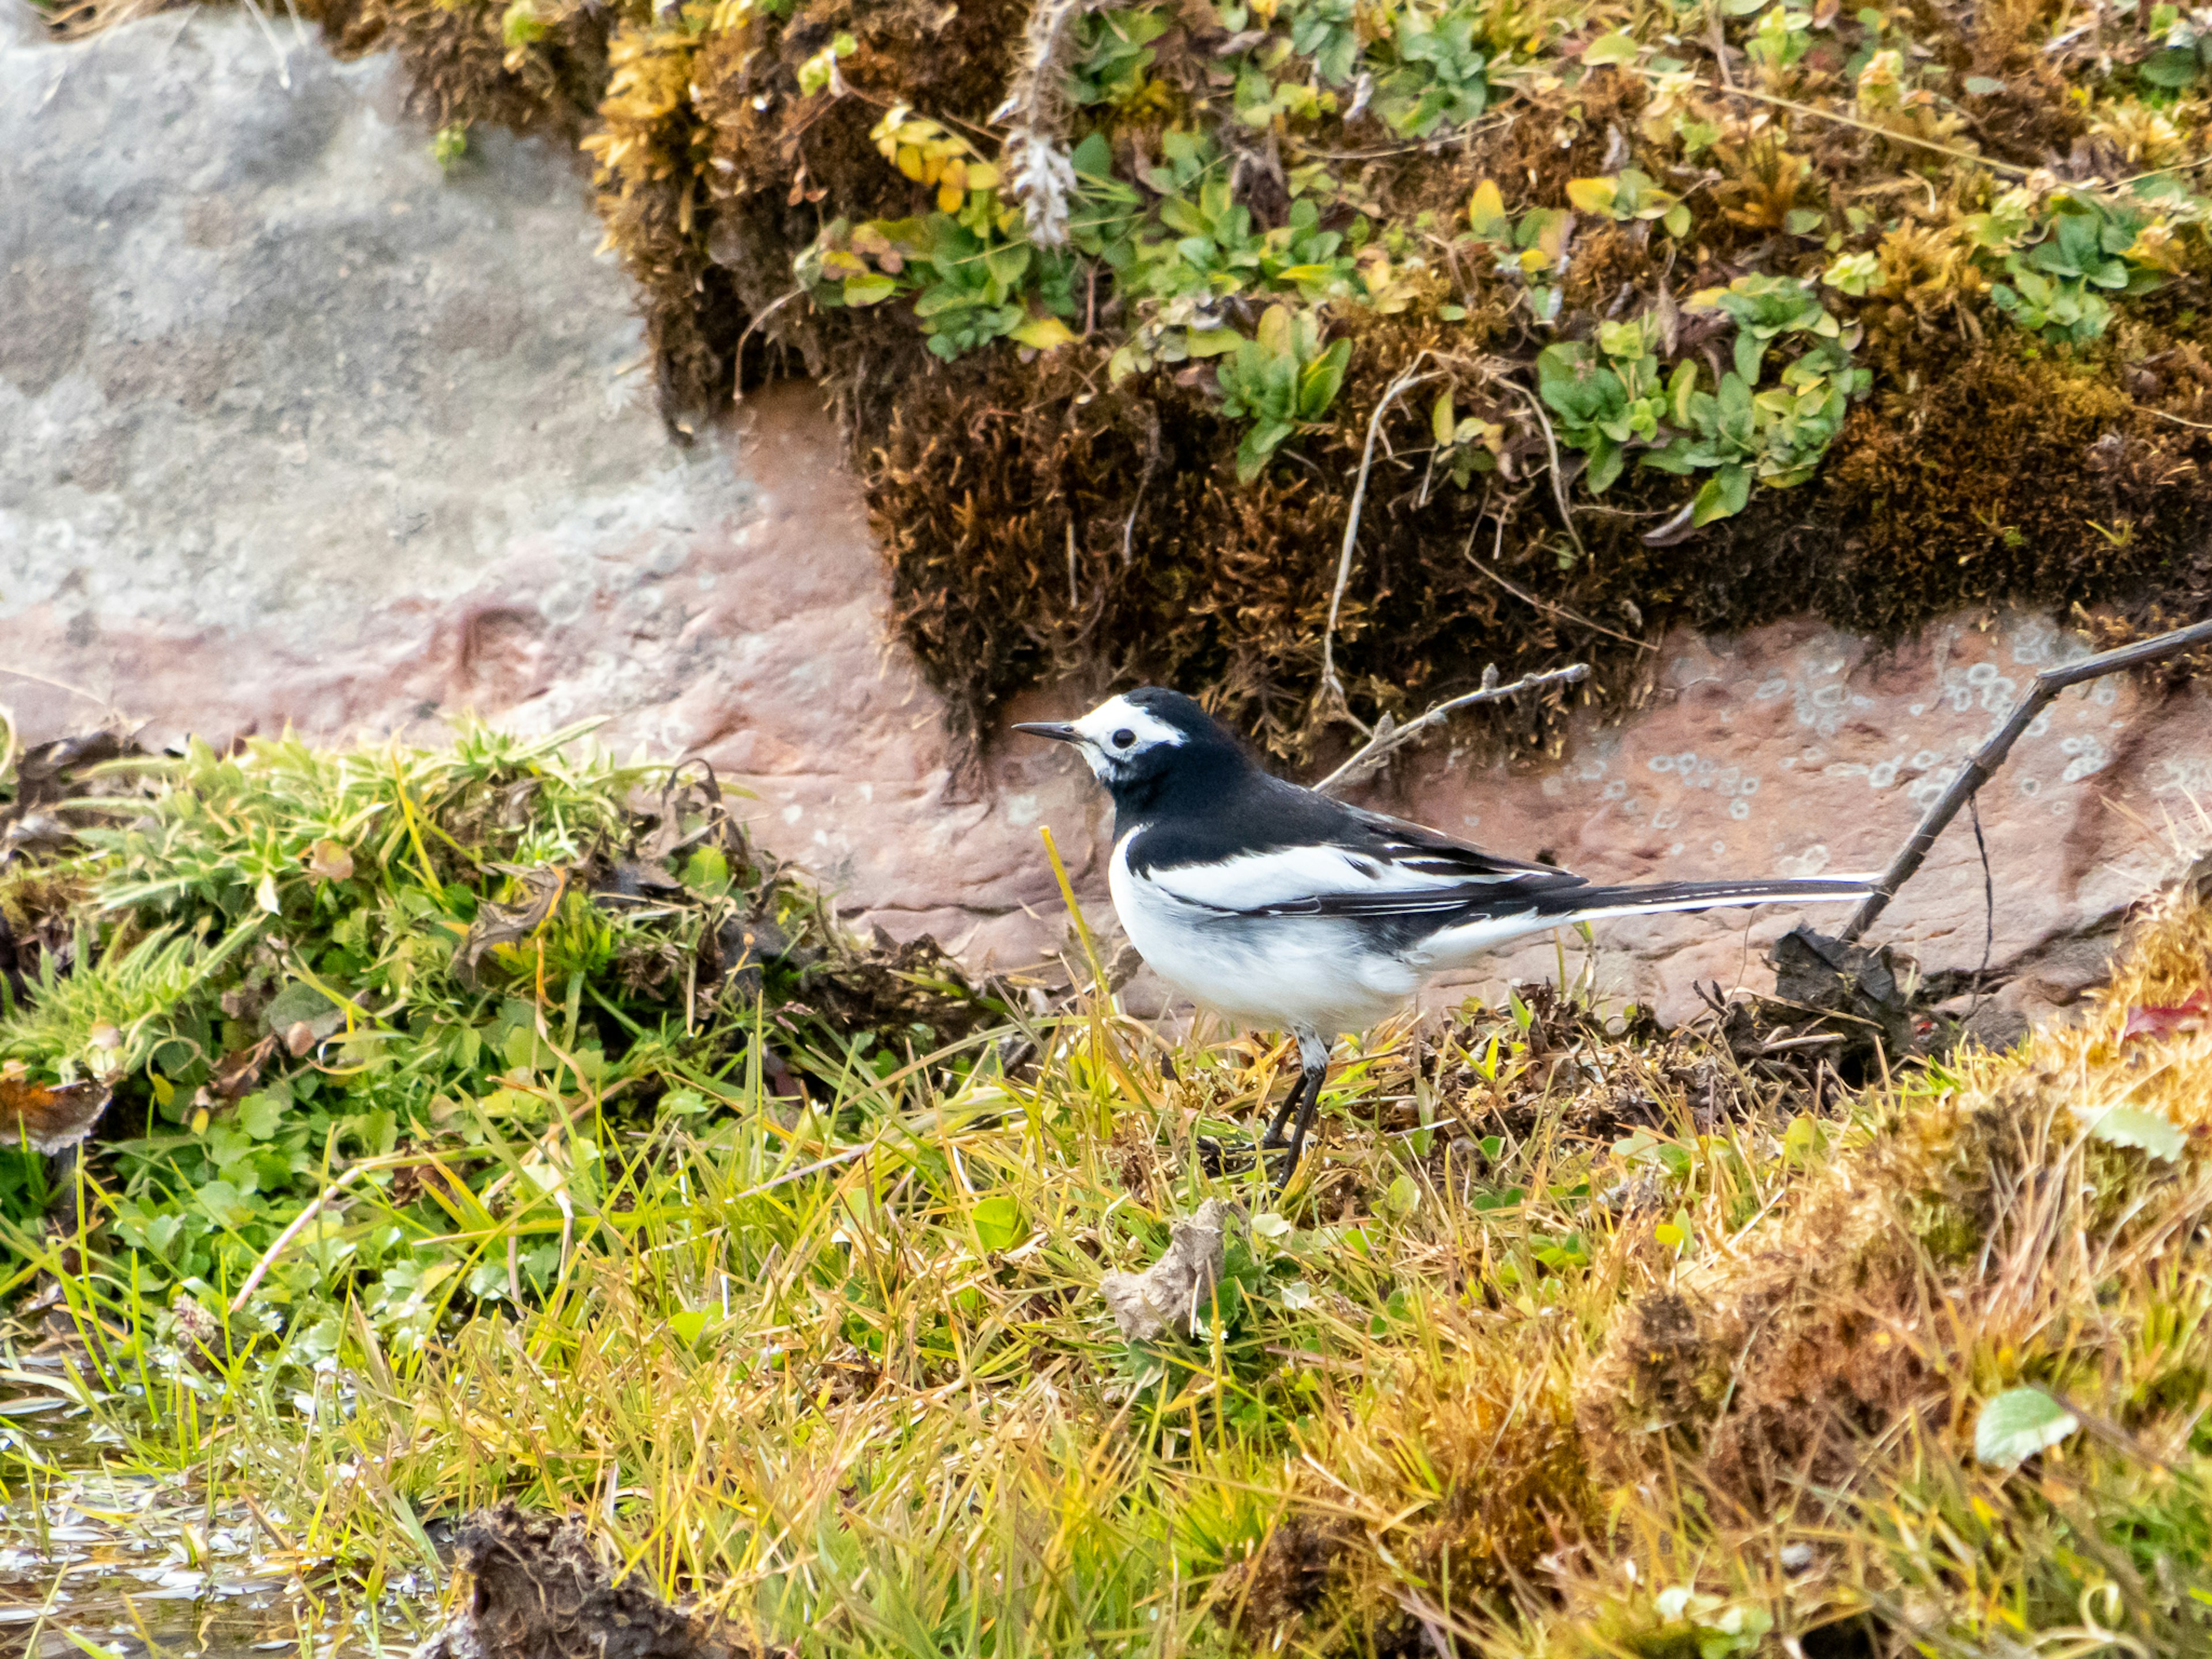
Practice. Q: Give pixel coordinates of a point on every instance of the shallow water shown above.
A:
(98, 1557)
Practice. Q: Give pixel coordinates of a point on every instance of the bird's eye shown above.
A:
(1124, 737)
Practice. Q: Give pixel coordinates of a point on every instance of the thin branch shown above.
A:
(1405, 382)
(1527, 598)
(2196, 425)
(737, 356)
(299, 1223)
(1552, 449)
(1956, 155)
(1991, 755)
(1381, 745)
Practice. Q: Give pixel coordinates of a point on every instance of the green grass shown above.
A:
(1569, 1341)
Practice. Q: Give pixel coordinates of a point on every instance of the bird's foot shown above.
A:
(1218, 1160)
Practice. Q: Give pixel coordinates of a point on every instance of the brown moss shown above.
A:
(460, 70)
(1465, 1476)
(1982, 1232)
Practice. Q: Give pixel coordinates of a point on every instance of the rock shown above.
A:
(296, 430)
(1175, 1291)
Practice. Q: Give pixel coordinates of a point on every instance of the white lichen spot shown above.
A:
(1615, 789)
(1810, 862)
(1554, 786)
(1739, 808)
(2089, 754)
(1021, 810)
(792, 813)
(2191, 774)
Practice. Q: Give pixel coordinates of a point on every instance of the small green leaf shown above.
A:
(259, 1114)
(1981, 86)
(1614, 48)
(1270, 1226)
(2127, 1125)
(998, 1222)
(689, 1325)
(1403, 1196)
(2018, 1424)
(707, 872)
(1046, 333)
(2172, 69)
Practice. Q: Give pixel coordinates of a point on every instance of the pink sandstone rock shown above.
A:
(385, 491)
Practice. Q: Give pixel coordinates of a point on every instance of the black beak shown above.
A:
(1060, 731)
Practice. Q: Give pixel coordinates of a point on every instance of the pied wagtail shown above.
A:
(1284, 909)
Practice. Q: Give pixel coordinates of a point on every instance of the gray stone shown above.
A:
(291, 425)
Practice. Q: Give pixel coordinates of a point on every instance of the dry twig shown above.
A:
(1389, 737)
(1991, 755)
(1527, 598)
(1405, 382)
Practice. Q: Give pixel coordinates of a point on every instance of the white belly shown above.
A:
(1298, 973)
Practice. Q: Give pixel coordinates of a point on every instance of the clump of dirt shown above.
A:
(537, 1589)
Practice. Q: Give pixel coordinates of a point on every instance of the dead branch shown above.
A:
(1527, 598)
(1387, 737)
(1991, 755)
(1406, 382)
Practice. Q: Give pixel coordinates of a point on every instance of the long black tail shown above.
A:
(1660, 896)
(1516, 917)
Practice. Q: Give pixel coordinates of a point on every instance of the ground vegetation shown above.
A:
(494, 1124)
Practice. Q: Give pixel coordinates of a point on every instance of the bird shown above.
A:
(1284, 909)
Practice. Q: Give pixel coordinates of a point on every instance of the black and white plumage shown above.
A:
(1284, 909)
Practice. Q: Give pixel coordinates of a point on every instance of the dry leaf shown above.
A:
(1176, 1288)
(50, 1118)
(504, 924)
(329, 860)
(2170, 1019)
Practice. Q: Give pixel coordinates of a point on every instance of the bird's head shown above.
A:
(1140, 742)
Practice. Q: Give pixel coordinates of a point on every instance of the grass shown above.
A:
(1575, 1339)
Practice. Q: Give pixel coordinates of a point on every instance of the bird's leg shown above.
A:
(1273, 1139)
(1314, 1052)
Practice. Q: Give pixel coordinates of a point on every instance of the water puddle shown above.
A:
(98, 1559)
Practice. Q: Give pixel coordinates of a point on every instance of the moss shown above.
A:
(1449, 1485)
(1985, 1232)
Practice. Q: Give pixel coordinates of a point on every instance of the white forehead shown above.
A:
(1120, 714)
